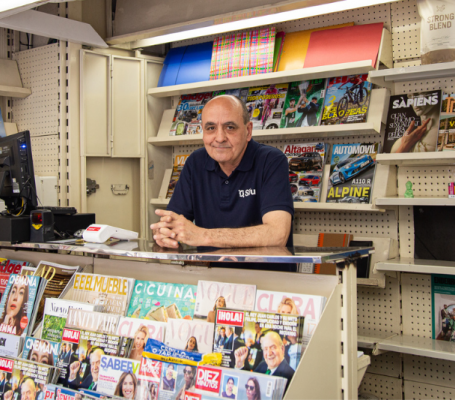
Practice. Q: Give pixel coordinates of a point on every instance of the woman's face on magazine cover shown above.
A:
(40, 356)
(128, 387)
(250, 390)
(15, 299)
(220, 303)
(169, 371)
(139, 340)
(191, 344)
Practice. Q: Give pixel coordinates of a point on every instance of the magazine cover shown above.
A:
(179, 162)
(161, 301)
(306, 163)
(242, 336)
(148, 379)
(446, 139)
(3, 282)
(443, 307)
(265, 105)
(17, 371)
(111, 292)
(140, 330)
(303, 104)
(414, 117)
(212, 295)
(41, 351)
(92, 321)
(59, 281)
(347, 100)
(55, 315)
(187, 335)
(67, 394)
(16, 306)
(175, 380)
(14, 266)
(241, 93)
(118, 377)
(10, 345)
(308, 306)
(352, 172)
(187, 117)
(237, 384)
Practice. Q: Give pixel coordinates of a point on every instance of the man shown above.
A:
(355, 81)
(221, 340)
(229, 339)
(309, 112)
(4, 386)
(289, 114)
(229, 391)
(274, 362)
(91, 381)
(28, 389)
(236, 190)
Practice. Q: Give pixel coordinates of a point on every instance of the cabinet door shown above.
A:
(127, 107)
(95, 93)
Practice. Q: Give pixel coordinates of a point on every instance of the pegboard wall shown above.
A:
(389, 364)
(417, 391)
(429, 371)
(406, 228)
(381, 386)
(427, 181)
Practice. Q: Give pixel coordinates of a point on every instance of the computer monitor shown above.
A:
(17, 177)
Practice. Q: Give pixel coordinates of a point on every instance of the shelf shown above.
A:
(328, 71)
(13, 91)
(10, 80)
(417, 266)
(417, 159)
(416, 201)
(362, 364)
(160, 202)
(421, 72)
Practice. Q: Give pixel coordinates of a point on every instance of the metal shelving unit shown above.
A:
(412, 265)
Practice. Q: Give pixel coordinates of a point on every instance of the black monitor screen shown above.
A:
(17, 177)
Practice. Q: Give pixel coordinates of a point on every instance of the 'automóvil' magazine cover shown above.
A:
(352, 172)
(413, 122)
(347, 100)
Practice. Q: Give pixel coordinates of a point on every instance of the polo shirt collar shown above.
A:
(247, 160)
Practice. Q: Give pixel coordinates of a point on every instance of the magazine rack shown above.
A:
(329, 367)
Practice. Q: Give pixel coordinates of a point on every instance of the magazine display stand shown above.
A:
(329, 368)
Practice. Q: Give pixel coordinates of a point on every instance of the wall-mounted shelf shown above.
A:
(417, 266)
(328, 71)
(10, 80)
(416, 201)
(417, 159)
(12, 91)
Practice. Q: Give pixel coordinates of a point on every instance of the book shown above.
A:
(234, 69)
(245, 54)
(212, 295)
(216, 49)
(113, 293)
(331, 240)
(303, 104)
(92, 321)
(416, 117)
(252, 331)
(59, 281)
(187, 117)
(118, 377)
(159, 298)
(140, 330)
(347, 100)
(179, 162)
(306, 161)
(446, 135)
(352, 170)
(190, 335)
(265, 105)
(277, 52)
(56, 313)
(41, 351)
(443, 307)
(17, 307)
(264, 51)
(308, 306)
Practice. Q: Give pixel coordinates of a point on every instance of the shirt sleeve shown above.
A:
(182, 199)
(275, 185)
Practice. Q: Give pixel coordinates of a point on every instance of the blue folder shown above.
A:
(171, 66)
(195, 65)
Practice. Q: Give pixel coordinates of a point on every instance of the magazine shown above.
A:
(265, 105)
(241, 93)
(118, 377)
(55, 315)
(148, 379)
(140, 330)
(179, 162)
(92, 321)
(160, 301)
(59, 281)
(212, 295)
(446, 139)
(234, 384)
(111, 292)
(347, 100)
(306, 162)
(13, 266)
(303, 104)
(62, 393)
(3, 282)
(308, 306)
(10, 345)
(241, 337)
(41, 351)
(175, 380)
(416, 117)
(187, 117)
(17, 313)
(187, 335)
(352, 172)
(443, 307)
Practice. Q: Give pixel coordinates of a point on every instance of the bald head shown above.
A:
(233, 101)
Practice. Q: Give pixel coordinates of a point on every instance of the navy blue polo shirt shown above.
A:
(260, 184)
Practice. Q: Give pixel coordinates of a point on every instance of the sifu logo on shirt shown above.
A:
(247, 192)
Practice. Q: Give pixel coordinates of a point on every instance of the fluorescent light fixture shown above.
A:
(10, 4)
(208, 27)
